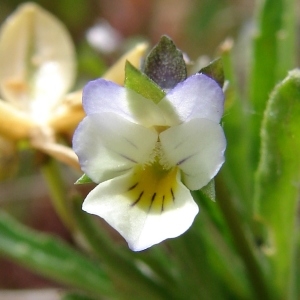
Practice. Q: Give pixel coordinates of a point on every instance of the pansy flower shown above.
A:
(146, 157)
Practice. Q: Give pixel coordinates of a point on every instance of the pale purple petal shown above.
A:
(197, 148)
(140, 228)
(108, 145)
(105, 96)
(197, 97)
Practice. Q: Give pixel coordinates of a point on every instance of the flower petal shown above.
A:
(197, 97)
(197, 148)
(140, 228)
(108, 145)
(105, 96)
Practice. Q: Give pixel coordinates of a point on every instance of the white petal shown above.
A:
(197, 148)
(197, 97)
(104, 96)
(108, 145)
(140, 228)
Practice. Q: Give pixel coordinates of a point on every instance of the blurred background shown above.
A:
(102, 30)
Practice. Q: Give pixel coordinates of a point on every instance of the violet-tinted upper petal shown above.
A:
(105, 96)
(197, 97)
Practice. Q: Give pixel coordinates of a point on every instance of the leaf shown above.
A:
(37, 59)
(273, 55)
(84, 179)
(215, 71)
(142, 84)
(278, 180)
(165, 64)
(51, 257)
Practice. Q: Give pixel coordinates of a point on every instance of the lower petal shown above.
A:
(142, 225)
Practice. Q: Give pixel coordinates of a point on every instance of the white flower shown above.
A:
(146, 156)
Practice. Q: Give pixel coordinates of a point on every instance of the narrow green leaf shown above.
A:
(273, 55)
(165, 64)
(215, 71)
(278, 179)
(51, 257)
(286, 39)
(224, 259)
(215, 262)
(84, 179)
(142, 84)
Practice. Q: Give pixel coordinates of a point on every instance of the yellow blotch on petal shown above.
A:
(153, 188)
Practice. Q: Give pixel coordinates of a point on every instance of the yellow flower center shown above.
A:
(153, 187)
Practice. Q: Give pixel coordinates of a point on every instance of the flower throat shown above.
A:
(154, 184)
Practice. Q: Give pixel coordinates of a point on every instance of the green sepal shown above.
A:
(215, 71)
(84, 179)
(209, 190)
(142, 84)
(165, 64)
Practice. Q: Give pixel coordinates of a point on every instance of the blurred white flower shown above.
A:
(37, 61)
(103, 37)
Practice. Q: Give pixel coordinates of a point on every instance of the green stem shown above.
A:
(57, 190)
(245, 248)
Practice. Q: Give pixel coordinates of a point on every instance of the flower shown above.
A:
(146, 156)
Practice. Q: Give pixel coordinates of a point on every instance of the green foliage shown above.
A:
(51, 257)
(278, 179)
(274, 53)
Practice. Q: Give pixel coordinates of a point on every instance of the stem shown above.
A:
(245, 248)
(56, 187)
